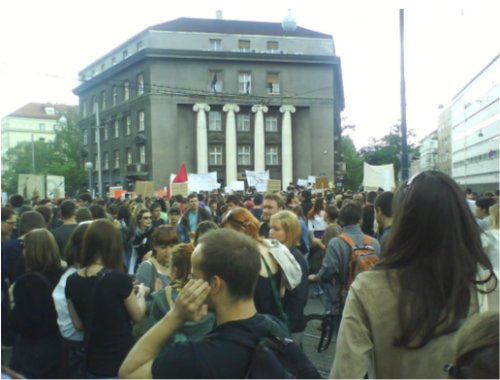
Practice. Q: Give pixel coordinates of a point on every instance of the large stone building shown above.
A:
(217, 95)
(31, 122)
(475, 121)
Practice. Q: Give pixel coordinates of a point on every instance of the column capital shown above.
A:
(259, 108)
(201, 107)
(284, 109)
(231, 107)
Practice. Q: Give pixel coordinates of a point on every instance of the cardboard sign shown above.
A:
(31, 185)
(321, 183)
(273, 185)
(145, 188)
(55, 187)
(180, 188)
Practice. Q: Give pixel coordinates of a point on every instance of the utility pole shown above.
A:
(98, 141)
(404, 145)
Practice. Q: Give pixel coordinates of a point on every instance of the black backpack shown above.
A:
(274, 357)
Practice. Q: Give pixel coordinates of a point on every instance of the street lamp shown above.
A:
(89, 166)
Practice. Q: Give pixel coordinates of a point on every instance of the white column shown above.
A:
(231, 162)
(259, 140)
(201, 137)
(286, 146)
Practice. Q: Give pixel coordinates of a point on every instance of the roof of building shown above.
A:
(41, 111)
(185, 24)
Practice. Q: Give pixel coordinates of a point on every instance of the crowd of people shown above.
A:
(188, 287)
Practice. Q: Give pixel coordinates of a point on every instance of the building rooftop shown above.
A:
(185, 24)
(41, 111)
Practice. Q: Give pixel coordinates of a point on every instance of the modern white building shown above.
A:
(475, 120)
(429, 152)
(32, 122)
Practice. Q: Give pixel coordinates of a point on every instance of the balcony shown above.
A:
(137, 169)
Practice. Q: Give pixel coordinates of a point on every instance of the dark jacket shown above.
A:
(203, 215)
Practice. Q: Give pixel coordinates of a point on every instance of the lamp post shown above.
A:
(98, 141)
(89, 166)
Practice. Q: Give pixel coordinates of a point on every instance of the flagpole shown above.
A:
(98, 141)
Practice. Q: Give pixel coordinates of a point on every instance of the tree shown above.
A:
(353, 163)
(58, 157)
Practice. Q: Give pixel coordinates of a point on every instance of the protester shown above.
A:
(383, 216)
(272, 204)
(285, 228)
(192, 217)
(62, 234)
(490, 238)
(476, 349)
(141, 242)
(401, 318)
(202, 229)
(102, 300)
(37, 351)
(73, 357)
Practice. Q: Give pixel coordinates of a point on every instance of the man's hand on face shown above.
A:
(190, 304)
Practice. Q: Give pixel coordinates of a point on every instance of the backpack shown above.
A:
(274, 357)
(363, 258)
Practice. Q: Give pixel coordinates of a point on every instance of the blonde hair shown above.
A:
(41, 251)
(291, 226)
(494, 216)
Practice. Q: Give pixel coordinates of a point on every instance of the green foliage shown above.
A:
(354, 165)
(60, 157)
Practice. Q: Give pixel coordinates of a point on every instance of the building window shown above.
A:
(273, 83)
(216, 80)
(272, 46)
(106, 161)
(115, 95)
(41, 127)
(139, 46)
(129, 156)
(215, 155)
(271, 124)
(244, 45)
(215, 44)
(94, 130)
(85, 137)
(126, 90)
(103, 67)
(125, 54)
(140, 84)
(84, 109)
(128, 125)
(142, 154)
(103, 100)
(243, 123)
(141, 120)
(244, 157)
(94, 105)
(105, 128)
(116, 128)
(272, 155)
(214, 121)
(244, 83)
(113, 61)
(117, 159)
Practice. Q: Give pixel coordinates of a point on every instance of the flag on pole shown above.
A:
(214, 82)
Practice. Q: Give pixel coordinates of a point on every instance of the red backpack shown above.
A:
(363, 257)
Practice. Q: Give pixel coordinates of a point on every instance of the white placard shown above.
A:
(55, 187)
(375, 176)
(311, 179)
(302, 182)
(238, 186)
(256, 179)
(202, 182)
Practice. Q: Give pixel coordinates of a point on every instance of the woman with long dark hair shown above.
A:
(102, 300)
(400, 318)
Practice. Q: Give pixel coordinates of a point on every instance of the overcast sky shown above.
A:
(46, 43)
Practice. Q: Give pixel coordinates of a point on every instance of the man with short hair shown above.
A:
(68, 215)
(272, 204)
(334, 270)
(225, 268)
(156, 219)
(193, 216)
(482, 212)
(383, 216)
(257, 205)
(369, 214)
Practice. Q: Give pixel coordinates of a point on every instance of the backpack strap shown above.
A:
(348, 240)
(367, 240)
(277, 299)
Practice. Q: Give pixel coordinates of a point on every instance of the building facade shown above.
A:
(475, 121)
(429, 152)
(32, 122)
(217, 95)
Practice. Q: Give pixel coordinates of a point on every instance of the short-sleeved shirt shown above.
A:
(111, 332)
(62, 235)
(212, 357)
